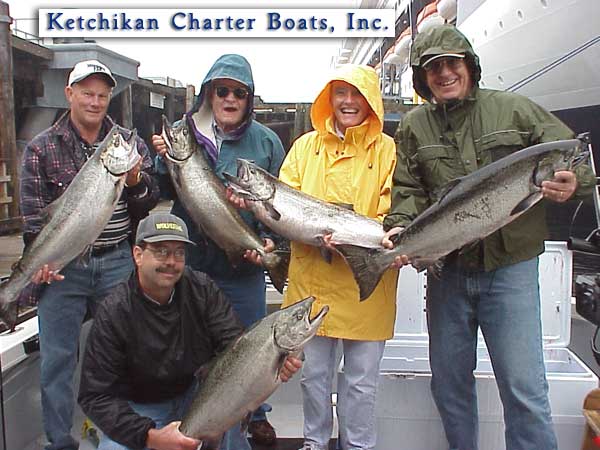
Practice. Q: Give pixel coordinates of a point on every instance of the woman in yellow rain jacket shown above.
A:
(346, 160)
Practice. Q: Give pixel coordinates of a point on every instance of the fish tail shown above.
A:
(277, 264)
(367, 272)
(9, 309)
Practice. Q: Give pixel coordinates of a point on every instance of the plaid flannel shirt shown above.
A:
(51, 161)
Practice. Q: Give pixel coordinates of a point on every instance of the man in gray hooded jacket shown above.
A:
(223, 125)
(492, 285)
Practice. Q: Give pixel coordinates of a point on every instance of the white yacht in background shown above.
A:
(547, 50)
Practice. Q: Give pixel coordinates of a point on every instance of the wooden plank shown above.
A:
(5, 178)
(31, 48)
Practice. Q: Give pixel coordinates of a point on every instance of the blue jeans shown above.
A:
(61, 310)
(248, 297)
(163, 413)
(357, 392)
(505, 304)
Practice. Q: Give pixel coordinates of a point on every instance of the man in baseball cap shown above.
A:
(160, 227)
(59, 153)
(150, 336)
(84, 69)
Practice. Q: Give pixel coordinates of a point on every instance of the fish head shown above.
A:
(118, 154)
(564, 157)
(178, 139)
(254, 181)
(293, 327)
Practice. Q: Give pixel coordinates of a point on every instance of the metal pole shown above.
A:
(8, 144)
(596, 199)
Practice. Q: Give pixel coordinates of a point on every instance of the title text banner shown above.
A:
(246, 23)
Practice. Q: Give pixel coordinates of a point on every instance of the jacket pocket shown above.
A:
(438, 164)
(497, 145)
(58, 181)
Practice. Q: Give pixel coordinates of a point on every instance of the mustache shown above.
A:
(167, 269)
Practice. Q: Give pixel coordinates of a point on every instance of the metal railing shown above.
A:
(19, 32)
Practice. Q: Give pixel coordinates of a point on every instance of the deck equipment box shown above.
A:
(407, 418)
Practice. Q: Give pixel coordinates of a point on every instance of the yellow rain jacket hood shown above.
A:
(354, 170)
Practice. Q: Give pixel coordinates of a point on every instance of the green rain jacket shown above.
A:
(437, 143)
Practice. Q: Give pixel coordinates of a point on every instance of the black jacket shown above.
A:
(140, 351)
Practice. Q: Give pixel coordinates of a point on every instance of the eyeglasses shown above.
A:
(436, 65)
(239, 93)
(162, 253)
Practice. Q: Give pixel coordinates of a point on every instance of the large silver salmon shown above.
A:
(470, 208)
(74, 220)
(247, 372)
(203, 196)
(299, 216)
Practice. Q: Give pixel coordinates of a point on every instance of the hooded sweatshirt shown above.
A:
(357, 170)
(437, 143)
(251, 140)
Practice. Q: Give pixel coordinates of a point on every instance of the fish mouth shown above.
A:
(580, 158)
(241, 183)
(243, 171)
(176, 135)
(123, 155)
(316, 321)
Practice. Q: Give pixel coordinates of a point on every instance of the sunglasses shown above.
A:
(239, 93)
(449, 61)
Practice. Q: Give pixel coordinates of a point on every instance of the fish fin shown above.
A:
(9, 312)
(436, 269)
(360, 260)
(348, 206)
(326, 254)
(277, 263)
(275, 215)
(445, 189)
(48, 212)
(202, 372)
(211, 444)
(244, 423)
(234, 257)
(526, 203)
(85, 256)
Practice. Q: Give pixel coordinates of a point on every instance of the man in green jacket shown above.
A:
(493, 285)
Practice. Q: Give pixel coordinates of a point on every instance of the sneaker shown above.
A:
(309, 446)
(262, 432)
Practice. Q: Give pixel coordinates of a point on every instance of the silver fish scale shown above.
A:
(305, 218)
(212, 411)
(203, 196)
(242, 377)
(469, 214)
(78, 217)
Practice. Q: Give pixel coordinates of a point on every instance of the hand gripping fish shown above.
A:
(203, 196)
(299, 216)
(247, 372)
(469, 209)
(74, 220)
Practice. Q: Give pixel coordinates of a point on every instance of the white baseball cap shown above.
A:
(84, 69)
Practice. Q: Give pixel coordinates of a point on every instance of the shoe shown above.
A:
(262, 432)
(309, 446)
